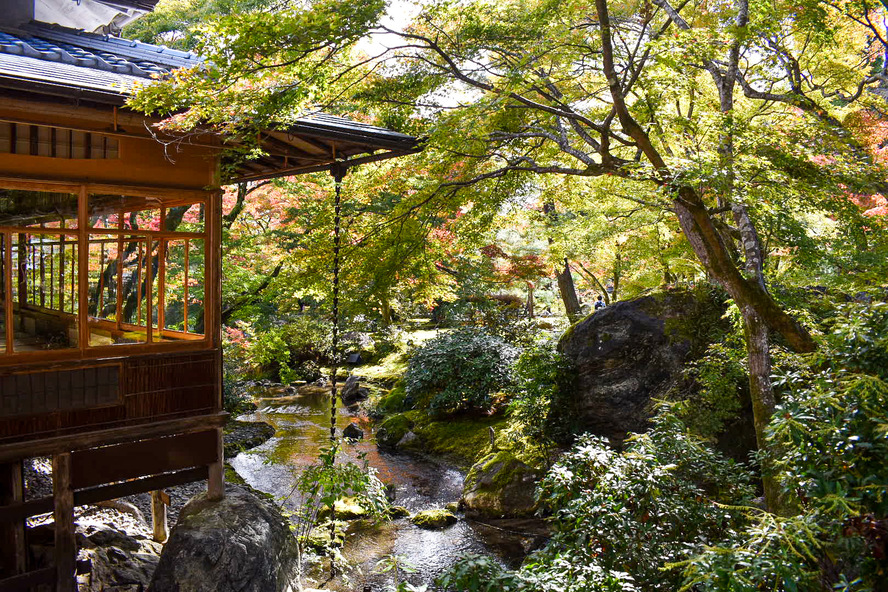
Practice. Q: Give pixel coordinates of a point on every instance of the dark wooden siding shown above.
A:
(37, 402)
(59, 390)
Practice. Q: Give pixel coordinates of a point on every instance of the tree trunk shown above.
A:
(760, 311)
(568, 292)
(758, 357)
(596, 283)
(385, 310)
(529, 306)
(564, 277)
(618, 274)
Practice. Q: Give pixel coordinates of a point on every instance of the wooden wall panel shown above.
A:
(59, 390)
(148, 374)
(149, 388)
(141, 160)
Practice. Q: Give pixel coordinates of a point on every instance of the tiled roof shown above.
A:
(65, 57)
(48, 59)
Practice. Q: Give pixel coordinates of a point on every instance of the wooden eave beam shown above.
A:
(288, 172)
(314, 148)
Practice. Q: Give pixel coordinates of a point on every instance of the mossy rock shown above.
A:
(460, 440)
(244, 435)
(633, 353)
(347, 508)
(392, 430)
(394, 401)
(500, 486)
(396, 512)
(322, 538)
(433, 519)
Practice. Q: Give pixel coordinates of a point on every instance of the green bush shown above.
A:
(721, 378)
(543, 404)
(619, 517)
(295, 350)
(235, 400)
(460, 370)
(831, 438)
(859, 339)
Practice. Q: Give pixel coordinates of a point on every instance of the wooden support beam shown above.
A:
(65, 544)
(26, 449)
(16, 512)
(216, 481)
(130, 460)
(159, 501)
(13, 550)
(106, 492)
(27, 581)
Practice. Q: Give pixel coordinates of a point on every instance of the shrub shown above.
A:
(831, 438)
(859, 339)
(460, 370)
(620, 517)
(294, 350)
(543, 404)
(721, 377)
(235, 400)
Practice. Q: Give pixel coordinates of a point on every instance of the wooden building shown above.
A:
(110, 278)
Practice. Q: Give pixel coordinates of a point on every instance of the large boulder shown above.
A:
(633, 352)
(500, 486)
(241, 543)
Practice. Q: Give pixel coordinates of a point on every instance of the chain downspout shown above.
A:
(338, 171)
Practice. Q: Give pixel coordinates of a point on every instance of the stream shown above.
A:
(302, 424)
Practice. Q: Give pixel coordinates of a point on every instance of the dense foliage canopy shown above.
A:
(575, 149)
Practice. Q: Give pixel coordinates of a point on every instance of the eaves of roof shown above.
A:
(56, 61)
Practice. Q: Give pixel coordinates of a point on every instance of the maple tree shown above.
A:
(753, 126)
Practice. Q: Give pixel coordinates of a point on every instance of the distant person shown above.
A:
(599, 303)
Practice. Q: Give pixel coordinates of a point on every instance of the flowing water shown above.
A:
(302, 424)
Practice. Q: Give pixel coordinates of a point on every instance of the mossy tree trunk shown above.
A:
(761, 313)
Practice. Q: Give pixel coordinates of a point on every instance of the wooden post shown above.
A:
(159, 502)
(118, 311)
(65, 544)
(216, 479)
(22, 272)
(13, 551)
(81, 276)
(185, 294)
(41, 289)
(61, 267)
(7, 282)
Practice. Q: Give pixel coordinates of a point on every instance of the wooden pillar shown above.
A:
(13, 551)
(159, 501)
(65, 544)
(216, 481)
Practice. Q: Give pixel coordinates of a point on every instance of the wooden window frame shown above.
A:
(211, 235)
